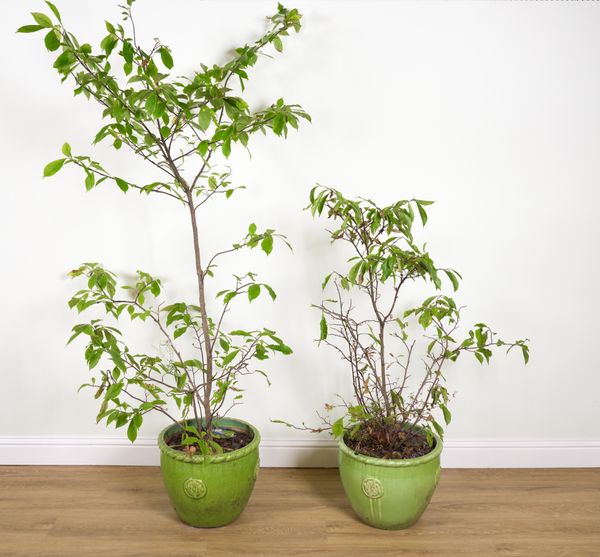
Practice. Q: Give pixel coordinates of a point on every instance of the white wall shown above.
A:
(490, 108)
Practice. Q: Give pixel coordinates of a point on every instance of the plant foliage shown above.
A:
(378, 345)
(180, 125)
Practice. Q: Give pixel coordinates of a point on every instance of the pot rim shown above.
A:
(394, 462)
(210, 459)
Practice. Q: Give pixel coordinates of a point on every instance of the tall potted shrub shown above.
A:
(180, 125)
(390, 433)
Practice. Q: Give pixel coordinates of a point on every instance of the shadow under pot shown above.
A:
(213, 490)
(390, 494)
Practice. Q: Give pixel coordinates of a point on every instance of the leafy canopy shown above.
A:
(379, 348)
(181, 126)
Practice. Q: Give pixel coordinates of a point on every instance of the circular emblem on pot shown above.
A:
(372, 488)
(194, 488)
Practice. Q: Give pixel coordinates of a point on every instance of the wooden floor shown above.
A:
(124, 511)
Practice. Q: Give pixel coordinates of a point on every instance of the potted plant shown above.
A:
(390, 435)
(180, 126)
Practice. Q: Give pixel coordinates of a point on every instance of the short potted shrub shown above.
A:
(181, 126)
(390, 435)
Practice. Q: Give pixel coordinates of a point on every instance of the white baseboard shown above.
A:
(473, 453)
(520, 453)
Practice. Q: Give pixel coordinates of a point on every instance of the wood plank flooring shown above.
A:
(124, 512)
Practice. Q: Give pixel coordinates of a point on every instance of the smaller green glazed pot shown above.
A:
(210, 491)
(390, 494)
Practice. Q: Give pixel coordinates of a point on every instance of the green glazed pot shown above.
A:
(389, 493)
(210, 491)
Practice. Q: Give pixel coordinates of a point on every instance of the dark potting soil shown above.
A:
(238, 440)
(388, 441)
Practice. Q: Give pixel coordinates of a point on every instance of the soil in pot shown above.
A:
(389, 441)
(232, 440)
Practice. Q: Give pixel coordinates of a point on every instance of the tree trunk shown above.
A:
(204, 317)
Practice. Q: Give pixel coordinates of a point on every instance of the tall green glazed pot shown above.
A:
(210, 491)
(390, 494)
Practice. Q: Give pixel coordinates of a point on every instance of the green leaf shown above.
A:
(323, 328)
(93, 358)
(278, 124)
(481, 337)
(52, 40)
(253, 291)
(123, 185)
(277, 43)
(29, 28)
(267, 244)
(260, 352)
(64, 60)
(108, 43)
(128, 51)
(121, 419)
(113, 391)
(66, 150)
(283, 348)
(438, 428)
(270, 291)
(425, 319)
(155, 288)
(226, 147)
(54, 9)
(203, 147)
(166, 57)
(89, 182)
(42, 19)
(53, 167)
(229, 358)
(447, 414)
(352, 274)
(179, 332)
(452, 278)
(337, 429)
(103, 408)
(422, 214)
(138, 420)
(193, 363)
(215, 446)
(229, 296)
(240, 333)
(152, 103)
(204, 118)
(132, 431)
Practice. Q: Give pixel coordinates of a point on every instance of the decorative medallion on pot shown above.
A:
(372, 488)
(193, 488)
